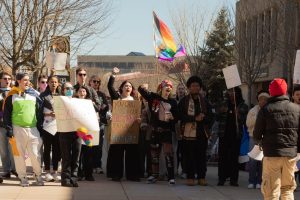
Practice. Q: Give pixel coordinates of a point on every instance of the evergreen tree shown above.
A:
(217, 54)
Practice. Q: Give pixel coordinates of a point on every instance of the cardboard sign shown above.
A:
(72, 114)
(296, 78)
(124, 127)
(232, 76)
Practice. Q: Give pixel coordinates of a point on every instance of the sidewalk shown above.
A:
(105, 189)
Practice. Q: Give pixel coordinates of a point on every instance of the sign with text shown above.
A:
(296, 78)
(124, 126)
(232, 76)
(72, 114)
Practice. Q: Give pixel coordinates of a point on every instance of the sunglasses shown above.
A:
(94, 81)
(81, 74)
(69, 88)
(6, 79)
(43, 82)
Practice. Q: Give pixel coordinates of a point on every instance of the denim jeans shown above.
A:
(255, 167)
(7, 158)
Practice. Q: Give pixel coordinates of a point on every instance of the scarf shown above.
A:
(190, 128)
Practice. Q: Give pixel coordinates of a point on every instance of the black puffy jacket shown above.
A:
(277, 127)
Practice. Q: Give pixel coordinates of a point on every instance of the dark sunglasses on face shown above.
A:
(43, 82)
(69, 88)
(94, 81)
(6, 79)
(81, 74)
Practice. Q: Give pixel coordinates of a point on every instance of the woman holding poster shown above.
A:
(50, 138)
(86, 156)
(230, 134)
(70, 146)
(163, 119)
(115, 157)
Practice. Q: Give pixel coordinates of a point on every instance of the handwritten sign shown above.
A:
(232, 77)
(296, 79)
(72, 114)
(124, 128)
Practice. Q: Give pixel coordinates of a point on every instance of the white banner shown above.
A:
(232, 76)
(56, 61)
(296, 79)
(72, 114)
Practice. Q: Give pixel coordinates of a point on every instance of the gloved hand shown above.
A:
(9, 133)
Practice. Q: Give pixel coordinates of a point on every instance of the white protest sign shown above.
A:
(56, 61)
(296, 78)
(256, 153)
(232, 76)
(50, 126)
(72, 114)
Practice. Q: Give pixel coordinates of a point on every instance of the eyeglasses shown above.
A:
(69, 88)
(81, 74)
(95, 81)
(43, 82)
(6, 79)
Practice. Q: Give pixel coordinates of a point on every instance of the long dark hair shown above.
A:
(58, 89)
(133, 92)
(238, 97)
(88, 95)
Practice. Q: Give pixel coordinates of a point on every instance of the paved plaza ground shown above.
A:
(105, 189)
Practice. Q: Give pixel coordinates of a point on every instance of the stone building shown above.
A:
(267, 37)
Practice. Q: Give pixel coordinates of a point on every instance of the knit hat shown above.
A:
(165, 83)
(278, 87)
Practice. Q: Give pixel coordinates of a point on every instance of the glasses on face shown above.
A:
(43, 82)
(6, 79)
(95, 81)
(81, 74)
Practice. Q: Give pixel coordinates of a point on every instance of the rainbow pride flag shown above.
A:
(164, 43)
(83, 134)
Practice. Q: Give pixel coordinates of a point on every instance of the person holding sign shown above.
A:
(50, 140)
(164, 115)
(255, 166)
(116, 152)
(195, 116)
(230, 135)
(86, 156)
(70, 146)
(21, 109)
(277, 129)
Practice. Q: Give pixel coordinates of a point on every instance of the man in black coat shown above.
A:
(195, 116)
(277, 129)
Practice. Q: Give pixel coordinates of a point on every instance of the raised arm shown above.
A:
(146, 94)
(110, 86)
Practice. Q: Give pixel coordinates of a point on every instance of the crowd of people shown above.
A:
(175, 130)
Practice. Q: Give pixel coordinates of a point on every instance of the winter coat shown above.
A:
(277, 127)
